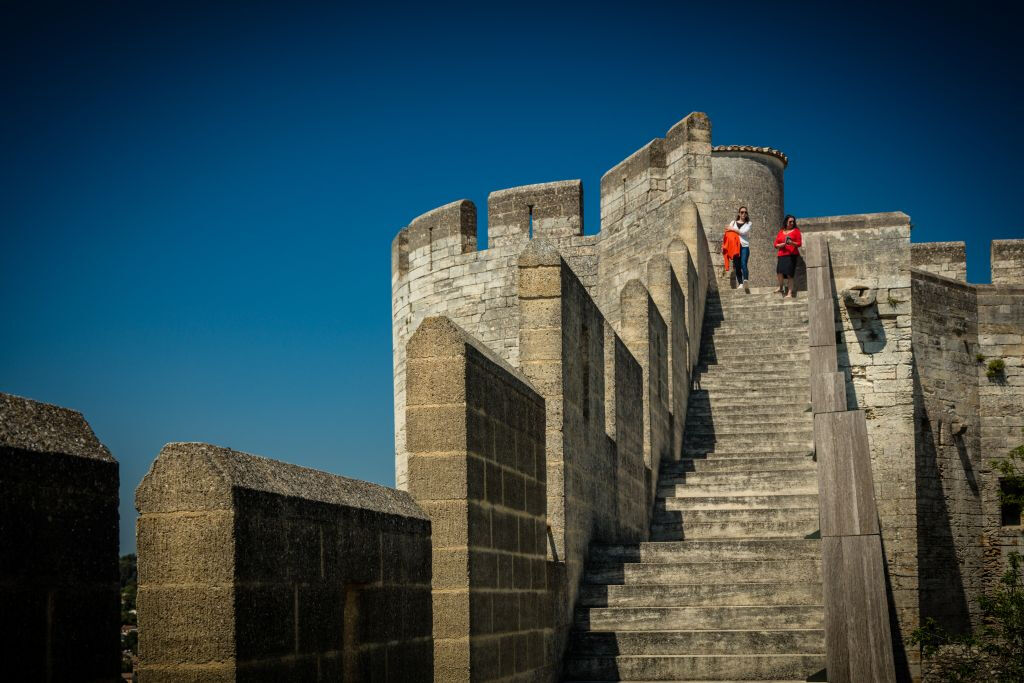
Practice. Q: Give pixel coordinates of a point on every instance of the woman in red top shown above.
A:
(788, 242)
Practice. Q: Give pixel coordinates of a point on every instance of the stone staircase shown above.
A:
(729, 586)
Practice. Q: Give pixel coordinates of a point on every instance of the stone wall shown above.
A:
(648, 200)
(948, 439)
(1001, 404)
(477, 466)
(872, 251)
(59, 596)
(747, 176)
(948, 259)
(596, 472)
(259, 570)
(1007, 262)
(437, 270)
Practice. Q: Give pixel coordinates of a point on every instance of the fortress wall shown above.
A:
(257, 569)
(668, 296)
(1007, 262)
(595, 485)
(874, 350)
(59, 591)
(642, 202)
(436, 270)
(950, 467)
(646, 336)
(948, 259)
(1000, 336)
(754, 180)
(477, 466)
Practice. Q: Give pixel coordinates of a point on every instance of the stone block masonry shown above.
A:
(257, 570)
(59, 594)
(948, 259)
(596, 474)
(477, 467)
(1007, 262)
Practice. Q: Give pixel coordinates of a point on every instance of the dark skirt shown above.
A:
(787, 265)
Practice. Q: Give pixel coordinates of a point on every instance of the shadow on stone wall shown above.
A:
(942, 596)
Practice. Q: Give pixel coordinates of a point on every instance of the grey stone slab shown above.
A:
(858, 643)
(845, 485)
(828, 392)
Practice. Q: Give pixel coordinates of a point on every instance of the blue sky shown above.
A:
(198, 200)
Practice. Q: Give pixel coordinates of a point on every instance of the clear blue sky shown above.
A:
(198, 202)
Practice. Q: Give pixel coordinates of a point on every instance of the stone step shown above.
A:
(699, 618)
(791, 428)
(764, 396)
(753, 501)
(737, 355)
(701, 595)
(763, 347)
(754, 667)
(753, 366)
(799, 523)
(731, 571)
(762, 450)
(706, 550)
(743, 488)
(799, 475)
(786, 371)
(699, 409)
(685, 642)
(671, 468)
(694, 445)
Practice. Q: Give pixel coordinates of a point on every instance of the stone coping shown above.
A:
(770, 151)
(29, 425)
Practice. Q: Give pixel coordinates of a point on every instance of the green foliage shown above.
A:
(996, 368)
(995, 652)
(980, 357)
(129, 580)
(893, 301)
(129, 571)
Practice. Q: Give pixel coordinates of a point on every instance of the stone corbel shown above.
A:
(859, 296)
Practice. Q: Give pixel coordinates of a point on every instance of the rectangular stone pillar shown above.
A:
(477, 466)
(669, 298)
(59, 594)
(257, 570)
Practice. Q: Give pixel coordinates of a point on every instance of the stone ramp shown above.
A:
(729, 586)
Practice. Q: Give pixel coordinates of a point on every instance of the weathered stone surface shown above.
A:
(59, 594)
(257, 569)
(486, 503)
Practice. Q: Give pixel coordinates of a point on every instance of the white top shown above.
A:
(743, 230)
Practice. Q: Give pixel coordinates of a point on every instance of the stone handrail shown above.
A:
(858, 643)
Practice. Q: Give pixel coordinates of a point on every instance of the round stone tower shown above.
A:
(750, 177)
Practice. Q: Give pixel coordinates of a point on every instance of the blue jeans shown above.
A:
(739, 262)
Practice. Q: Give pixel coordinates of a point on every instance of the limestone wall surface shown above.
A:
(1007, 262)
(753, 179)
(948, 259)
(59, 594)
(437, 270)
(255, 569)
(1001, 404)
(597, 473)
(872, 251)
(950, 465)
(477, 467)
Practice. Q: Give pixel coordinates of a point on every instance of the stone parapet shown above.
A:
(254, 569)
(59, 591)
(1007, 262)
(948, 259)
(477, 466)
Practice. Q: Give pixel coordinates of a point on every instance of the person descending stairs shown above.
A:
(729, 586)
